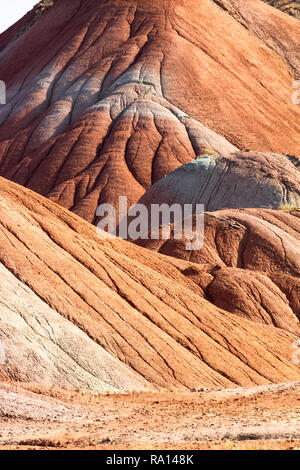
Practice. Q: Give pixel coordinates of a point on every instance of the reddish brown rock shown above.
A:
(253, 296)
(252, 261)
(277, 31)
(139, 306)
(106, 98)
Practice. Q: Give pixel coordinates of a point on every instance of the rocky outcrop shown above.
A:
(234, 180)
(137, 98)
(252, 263)
(70, 295)
(105, 98)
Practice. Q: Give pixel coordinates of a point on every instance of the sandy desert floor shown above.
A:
(266, 417)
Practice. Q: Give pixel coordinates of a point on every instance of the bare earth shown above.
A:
(161, 101)
(265, 417)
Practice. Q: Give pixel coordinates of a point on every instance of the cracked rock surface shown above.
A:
(249, 263)
(82, 295)
(236, 180)
(105, 98)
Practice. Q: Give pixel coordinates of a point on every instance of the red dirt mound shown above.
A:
(252, 261)
(139, 306)
(104, 98)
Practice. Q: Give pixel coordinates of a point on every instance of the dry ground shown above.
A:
(266, 417)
